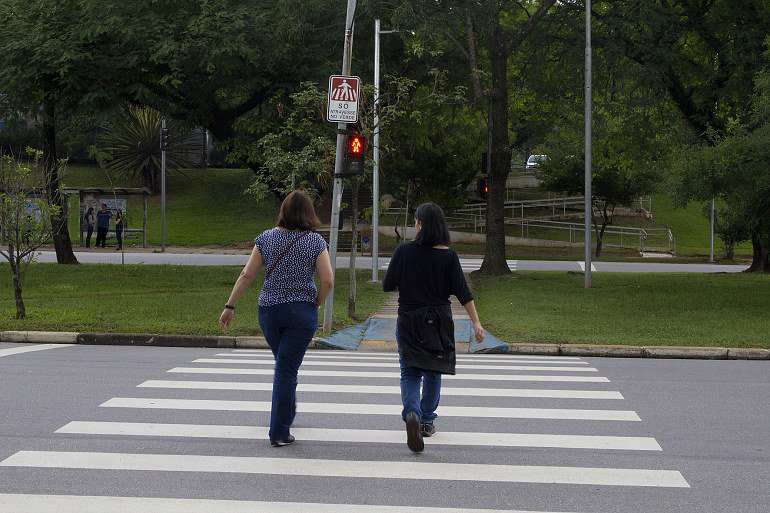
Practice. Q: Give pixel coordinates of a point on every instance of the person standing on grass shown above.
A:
(426, 272)
(291, 254)
(88, 224)
(102, 225)
(119, 229)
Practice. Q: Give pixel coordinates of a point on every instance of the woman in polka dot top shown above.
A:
(291, 253)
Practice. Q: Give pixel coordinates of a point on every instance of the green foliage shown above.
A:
(130, 145)
(734, 168)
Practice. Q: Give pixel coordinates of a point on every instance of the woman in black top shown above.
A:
(426, 272)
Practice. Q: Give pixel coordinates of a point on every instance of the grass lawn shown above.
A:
(151, 299)
(691, 229)
(635, 309)
(204, 207)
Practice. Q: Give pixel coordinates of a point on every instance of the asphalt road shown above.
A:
(469, 264)
(119, 429)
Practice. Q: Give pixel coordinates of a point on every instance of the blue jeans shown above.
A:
(288, 329)
(411, 378)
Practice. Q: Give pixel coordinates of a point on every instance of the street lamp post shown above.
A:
(376, 173)
(588, 133)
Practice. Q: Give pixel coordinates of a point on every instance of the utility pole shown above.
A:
(588, 134)
(337, 194)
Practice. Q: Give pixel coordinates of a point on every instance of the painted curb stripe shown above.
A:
(380, 436)
(394, 375)
(394, 390)
(348, 468)
(373, 409)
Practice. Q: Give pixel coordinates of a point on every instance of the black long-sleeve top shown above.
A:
(425, 276)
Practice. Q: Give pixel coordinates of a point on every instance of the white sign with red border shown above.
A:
(343, 99)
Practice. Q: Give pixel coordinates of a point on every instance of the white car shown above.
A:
(534, 160)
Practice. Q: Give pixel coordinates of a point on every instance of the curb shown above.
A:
(596, 350)
(619, 351)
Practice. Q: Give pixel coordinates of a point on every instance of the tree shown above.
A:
(500, 29)
(131, 145)
(734, 168)
(25, 218)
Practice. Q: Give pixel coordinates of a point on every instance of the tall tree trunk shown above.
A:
(494, 252)
(353, 248)
(760, 261)
(61, 234)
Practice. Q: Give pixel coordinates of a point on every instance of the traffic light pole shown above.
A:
(337, 194)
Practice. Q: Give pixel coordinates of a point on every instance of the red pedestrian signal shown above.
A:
(355, 148)
(355, 145)
(482, 188)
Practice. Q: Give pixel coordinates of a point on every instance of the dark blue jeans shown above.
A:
(411, 378)
(288, 329)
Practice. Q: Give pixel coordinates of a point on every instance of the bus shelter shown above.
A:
(115, 199)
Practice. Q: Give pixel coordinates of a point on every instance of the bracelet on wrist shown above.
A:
(230, 307)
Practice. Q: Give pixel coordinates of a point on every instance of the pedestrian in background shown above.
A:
(119, 229)
(291, 253)
(102, 225)
(88, 224)
(426, 271)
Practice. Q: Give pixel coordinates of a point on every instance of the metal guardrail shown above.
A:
(474, 216)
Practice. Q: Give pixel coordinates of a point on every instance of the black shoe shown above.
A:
(280, 443)
(427, 429)
(413, 436)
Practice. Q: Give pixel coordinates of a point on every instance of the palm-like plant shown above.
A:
(131, 145)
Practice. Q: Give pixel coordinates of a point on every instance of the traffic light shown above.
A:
(165, 139)
(355, 148)
(482, 188)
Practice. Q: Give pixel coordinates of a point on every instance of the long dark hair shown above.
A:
(434, 230)
(297, 212)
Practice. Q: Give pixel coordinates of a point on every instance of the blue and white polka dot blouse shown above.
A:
(292, 279)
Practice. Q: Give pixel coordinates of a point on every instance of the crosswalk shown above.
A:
(522, 421)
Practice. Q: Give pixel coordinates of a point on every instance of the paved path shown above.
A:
(468, 264)
(92, 429)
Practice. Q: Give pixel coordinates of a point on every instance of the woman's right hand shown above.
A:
(479, 332)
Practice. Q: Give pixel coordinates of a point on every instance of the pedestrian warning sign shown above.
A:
(343, 99)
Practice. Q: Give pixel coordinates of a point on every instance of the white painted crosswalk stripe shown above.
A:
(479, 359)
(31, 348)
(26, 503)
(393, 390)
(375, 364)
(373, 409)
(363, 374)
(357, 469)
(375, 436)
(393, 356)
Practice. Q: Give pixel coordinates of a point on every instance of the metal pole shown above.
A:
(376, 174)
(162, 189)
(588, 134)
(713, 208)
(337, 195)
